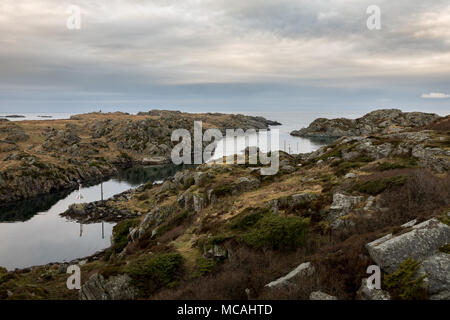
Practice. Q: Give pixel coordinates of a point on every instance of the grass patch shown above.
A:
(378, 186)
(404, 285)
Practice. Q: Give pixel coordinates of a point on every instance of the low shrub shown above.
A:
(277, 232)
(153, 272)
(404, 284)
(120, 235)
(247, 219)
(204, 266)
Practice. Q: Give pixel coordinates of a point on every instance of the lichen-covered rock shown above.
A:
(304, 269)
(342, 205)
(437, 269)
(115, 288)
(244, 184)
(366, 293)
(420, 243)
(319, 295)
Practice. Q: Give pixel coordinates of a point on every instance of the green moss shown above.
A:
(189, 182)
(445, 248)
(375, 187)
(277, 232)
(404, 284)
(153, 272)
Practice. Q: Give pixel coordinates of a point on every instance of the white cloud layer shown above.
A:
(435, 95)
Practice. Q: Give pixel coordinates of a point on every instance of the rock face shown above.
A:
(421, 243)
(115, 288)
(379, 121)
(305, 269)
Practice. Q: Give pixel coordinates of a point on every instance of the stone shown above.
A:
(437, 270)
(369, 203)
(115, 288)
(365, 293)
(350, 175)
(342, 205)
(304, 269)
(319, 295)
(423, 241)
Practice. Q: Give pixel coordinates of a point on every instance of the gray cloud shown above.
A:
(222, 54)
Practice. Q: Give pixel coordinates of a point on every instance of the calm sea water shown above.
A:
(33, 233)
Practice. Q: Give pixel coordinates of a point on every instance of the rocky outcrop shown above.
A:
(420, 242)
(376, 122)
(319, 295)
(115, 288)
(304, 269)
(107, 211)
(341, 206)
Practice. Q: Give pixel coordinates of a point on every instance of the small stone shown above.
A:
(319, 295)
(350, 175)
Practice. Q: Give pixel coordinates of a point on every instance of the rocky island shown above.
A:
(39, 157)
(378, 195)
(376, 122)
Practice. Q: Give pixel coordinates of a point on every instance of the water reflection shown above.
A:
(33, 233)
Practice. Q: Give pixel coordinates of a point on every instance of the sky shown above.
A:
(224, 55)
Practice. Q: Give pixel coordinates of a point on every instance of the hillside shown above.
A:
(309, 232)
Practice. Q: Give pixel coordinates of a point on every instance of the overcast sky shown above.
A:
(224, 55)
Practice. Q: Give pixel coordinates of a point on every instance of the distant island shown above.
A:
(13, 116)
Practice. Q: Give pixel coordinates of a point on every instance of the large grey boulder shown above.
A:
(115, 288)
(305, 269)
(423, 241)
(437, 269)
